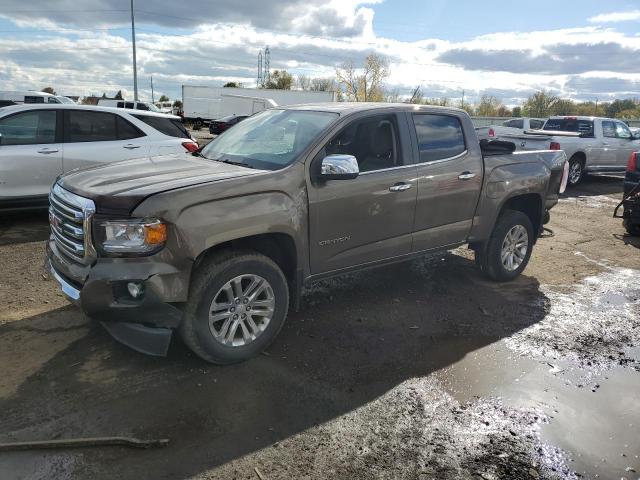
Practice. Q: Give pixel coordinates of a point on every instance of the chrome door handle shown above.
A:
(131, 147)
(466, 176)
(400, 187)
(46, 151)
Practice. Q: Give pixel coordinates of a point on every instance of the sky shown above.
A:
(584, 50)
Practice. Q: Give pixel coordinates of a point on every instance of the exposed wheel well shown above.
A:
(530, 204)
(279, 247)
(579, 156)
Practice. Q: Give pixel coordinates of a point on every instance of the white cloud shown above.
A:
(615, 17)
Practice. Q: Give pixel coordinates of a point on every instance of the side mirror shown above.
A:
(339, 167)
(635, 136)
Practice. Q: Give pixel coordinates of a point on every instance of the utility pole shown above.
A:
(135, 69)
(596, 113)
(152, 99)
(415, 92)
(462, 101)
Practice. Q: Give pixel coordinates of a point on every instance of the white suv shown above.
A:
(40, 142)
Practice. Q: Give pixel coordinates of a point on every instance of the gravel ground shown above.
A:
(420, 370)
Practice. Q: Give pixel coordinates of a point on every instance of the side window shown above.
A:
(168, 126)
(373, 141)
(608, 129)
(536, 124)
(128, 105)
(29, 128)
(439, 136)
(516, 123)
(33, 99)
(141, 106)
(88, 126)
(126, 130)
(120, 105)
(622, 131)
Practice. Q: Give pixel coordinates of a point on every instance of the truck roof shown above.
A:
(352, 107)
(578, 117)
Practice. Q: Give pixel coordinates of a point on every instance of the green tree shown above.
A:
(177, 104)
(539, 104)
(163, 98)
(280, 80)
(563, 107)
(48, 90)
(118, 95)
(232, 85)
(364, 84)
(614, 108)
(488, 106)
(516, 112)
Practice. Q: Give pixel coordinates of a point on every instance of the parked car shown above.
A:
(592, 144)
(510, 130)
(225, 123)
(40, 142)
(219, 245)
(631, 196)
(17, 98)
(145, 106)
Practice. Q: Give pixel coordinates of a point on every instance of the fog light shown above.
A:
(135, 289)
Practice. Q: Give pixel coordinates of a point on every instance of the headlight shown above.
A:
(125, 237)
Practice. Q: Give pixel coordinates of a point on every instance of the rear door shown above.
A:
(369, 218)
(30, 153)
(168, 134)
(449, 176)
(93, 137)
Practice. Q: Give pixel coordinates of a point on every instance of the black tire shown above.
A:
(207, 281)
(632, 229)
(575, 163)
(488, 257)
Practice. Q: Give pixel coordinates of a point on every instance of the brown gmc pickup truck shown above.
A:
(220, 244)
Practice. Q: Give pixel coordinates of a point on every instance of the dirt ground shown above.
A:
(422, 370)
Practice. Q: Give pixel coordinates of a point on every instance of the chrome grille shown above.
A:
(70, 220)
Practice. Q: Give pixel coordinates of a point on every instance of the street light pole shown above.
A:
(135, 69)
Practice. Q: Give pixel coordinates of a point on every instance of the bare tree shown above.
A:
(303, 82)
(323, 84)
(49, 90)
(364, 84)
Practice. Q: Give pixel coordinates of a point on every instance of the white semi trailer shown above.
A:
(204, 104)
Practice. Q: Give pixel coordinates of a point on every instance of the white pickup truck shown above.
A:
(513, 128)
(592, 144)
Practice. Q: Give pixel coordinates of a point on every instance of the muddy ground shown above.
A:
(419, 370)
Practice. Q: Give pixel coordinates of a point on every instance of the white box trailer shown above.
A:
(242, 105)
(203, 104)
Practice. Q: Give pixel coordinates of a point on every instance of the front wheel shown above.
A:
(631, 228)
(508, 250)
(237, 305)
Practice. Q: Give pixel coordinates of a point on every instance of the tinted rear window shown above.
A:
(168, 126)
(570, 125)
(536, 124)
(439, 136)
(87, 126)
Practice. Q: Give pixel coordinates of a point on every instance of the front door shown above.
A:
(626, 145)
(449, 181)
(369, 218)
(30, 154)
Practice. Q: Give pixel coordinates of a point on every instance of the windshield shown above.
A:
(153, 108)
(270, 140)
(65, 100)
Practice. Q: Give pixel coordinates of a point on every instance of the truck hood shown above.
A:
(116, 188)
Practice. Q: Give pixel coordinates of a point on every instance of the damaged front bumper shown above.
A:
(144, 322)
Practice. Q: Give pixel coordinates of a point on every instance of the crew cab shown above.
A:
(592, 144)
(218, 245)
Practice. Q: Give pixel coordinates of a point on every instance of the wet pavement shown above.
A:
(418, 370)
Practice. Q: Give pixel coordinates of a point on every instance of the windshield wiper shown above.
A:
(232, 162)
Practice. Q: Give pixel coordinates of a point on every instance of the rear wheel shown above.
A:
(576, 171)
(237, 305)
(631, 228)
(508, 250)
